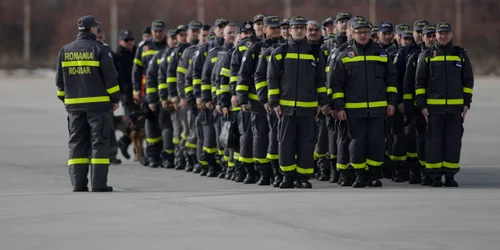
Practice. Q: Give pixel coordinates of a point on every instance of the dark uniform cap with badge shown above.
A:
(87, 22)
(259, 17)
(246, 26)
(429, 29)
(147, 30)
(401, 27)
(181, 27)
(328, 20)
(386, 27)
(443, 27)
(360, 24)
(126, 35)
(374, 30)
(172, 32)
(285, 22)
(195, 25)
(272, 21)
(158, 25)
(343, 15)
(221, 21)
(355, 18)
(419, 25)
(298, 20)
(407, 33)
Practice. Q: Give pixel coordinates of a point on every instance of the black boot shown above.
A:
(250, 178)
(181, 164)
(240, 174)
(190, 163)
(115, 161)
(436, 179)
(287, 182)
(387, 167)
(334, 173)
(324, 174)
(145, 161)
(204, 171)
(197, 169)
(99, 176)
(265, 179)
(223, 170)
(155, 165)
(78, 175)
(375, 176)
(399, 171)
(123, 144)
(212, 171)
(278, 176)
(169, 164)
(303, 182)
(449, 180)
(415, 175)
(368, 178)
(346, 177)
(360, 179)
(229, 173)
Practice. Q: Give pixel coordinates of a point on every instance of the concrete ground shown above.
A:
(168, 209)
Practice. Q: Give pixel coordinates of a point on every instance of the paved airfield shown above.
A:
(168, 209)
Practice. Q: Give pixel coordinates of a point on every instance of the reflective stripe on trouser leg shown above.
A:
(454, 131)
(287, 132)
(79, 149)
(260, 133)
(343, 142)
(375, 142)
(209, 140)
(246, 139)
(306, 136)
(434, 143)
(358, 130)
(272, 149)
(100, 127)
(154, 140)
(321, 150)
(399, 146)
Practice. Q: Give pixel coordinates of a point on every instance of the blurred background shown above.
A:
(35, 30)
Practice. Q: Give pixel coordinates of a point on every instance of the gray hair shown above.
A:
(314, 22)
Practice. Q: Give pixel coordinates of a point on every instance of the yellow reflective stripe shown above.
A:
(148, 53)
(242, 87)
(154, 140)
(445, 58)
(225, 88)
(445, 101)
(225, 72)
(97, 161)
(138, 62)
(214, 59)
(188, 89)
(86, 100)
(75, 161)
(168, 59)
(196, 81)
(80, 63)
(420, 91)
(399, 158)
(317, 155)
(407, 96)
(261, 85)
(262, 160)
(321, 89)
(233, 79)
(338, 95)
(298, 104)
(176, 141)
(190, 145)
(236, 156)
(305, 170)
(226, 158)
(273, 92)
(214, 89)
(288, 168)
(272, 157)
(203, 163)
(299, 56)
(362, 58)
(158, 61)
(171, 79)
(392, 89)
(333, 157)
(374, 163)
(242, 48)
(235, 108)
(190, 61)
(245, 160)
(181, 70)
(360, 105)
(230, 164)
(278, 57)
(327, 69)
(467, 90)
(162, 86)
(170, 151)
(210, 150)
(411, 154)
(329, 91)
(359, 165)
(422, 163)
(253, 96)
(113, 89)
(206, 87)
(184, 136)
(60, 93)
(341, 166)
(150, 90)
(434, 165)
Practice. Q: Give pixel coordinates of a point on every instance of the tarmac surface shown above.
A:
(168, 209)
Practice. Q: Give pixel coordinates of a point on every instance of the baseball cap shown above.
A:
(221, 21)
(181, 27)
(401, 27)
(407, 33)
(126, 34)
(419, 25)
(443, 27)
(386, 27)
(285, 21)
(374, 30)
(298, 20)
(328, 20)
(343, 15)
(259, 17)
(360, 24)
(147, 30)
(246, 26)
(430, 28)
(355, 18)
(171, 32)
(158, 25)
(86, 22)
(272, 21)
(195, 25)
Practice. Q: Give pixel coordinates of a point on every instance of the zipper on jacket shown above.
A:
(297, 78)
(366, 83)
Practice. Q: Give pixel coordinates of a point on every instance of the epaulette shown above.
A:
(212, 49)
(141, 43)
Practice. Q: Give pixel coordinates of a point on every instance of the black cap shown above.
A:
(298, 20)
(431, 28)
(181, 27)
(126, 34)
(206, 27)
(386, 27)
(407, 33)
(343, 15)
(419, 25)
(246, 26)
(360, 24)
(158, 25)
(355, 18)
(272, 21)
(172, 32)
(374, 30)
(401, 27)
(221, 21)
(147, 30)
(259, 17)
(285, 21)
(195, 25)
(443, 27)
(328, 20)
(86, 22)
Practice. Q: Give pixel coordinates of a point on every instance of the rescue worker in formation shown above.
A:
(258, 26)
(374, 34)
(249, 101)
(185, 89)
(146, 35)
(157, 66)
(203, 152)
(364, 93)
(414, 121)
(86, 82)
(285, 28)
(125, 53)
(297, 93)
(398, 34)
(330, 41)
(443, 92)
(141, 61)
(179, 116)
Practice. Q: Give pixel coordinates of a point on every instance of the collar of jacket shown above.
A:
(362, 47)
(218, 41)
(86, 35)
(271, 41)
(160, 43)
(299, 42)
(194, 41)
(227, 45)
(125, 50)
(385, 46)
(446, 48)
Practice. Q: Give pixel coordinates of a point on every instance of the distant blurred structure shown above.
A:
(49, 24)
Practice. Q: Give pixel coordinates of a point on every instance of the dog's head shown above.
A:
(137, 116)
